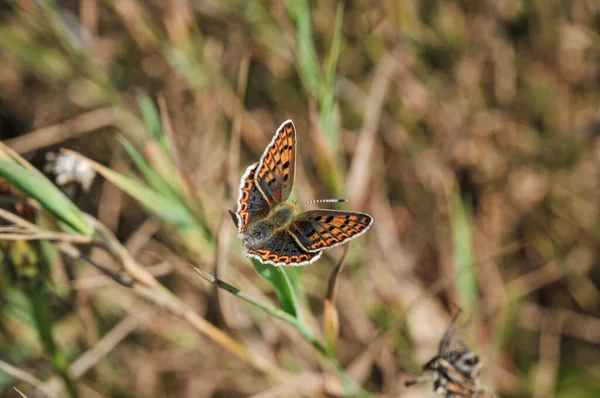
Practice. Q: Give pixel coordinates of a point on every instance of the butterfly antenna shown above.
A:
(323, 201)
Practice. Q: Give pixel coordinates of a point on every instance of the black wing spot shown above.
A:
(286, 177)
(286, 165)
(329, 219)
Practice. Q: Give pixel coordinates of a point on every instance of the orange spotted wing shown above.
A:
(252, 205)
(275, 173)
(282, 249)
(321, 229)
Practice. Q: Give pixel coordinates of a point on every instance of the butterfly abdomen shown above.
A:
(257, 234)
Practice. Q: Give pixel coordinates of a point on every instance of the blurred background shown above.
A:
(468, 130)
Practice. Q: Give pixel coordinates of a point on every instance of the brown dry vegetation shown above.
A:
(467, 129)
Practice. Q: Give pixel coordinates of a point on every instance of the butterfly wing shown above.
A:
(320, 229)
(275, 172)
(282, 249)
(251, 204)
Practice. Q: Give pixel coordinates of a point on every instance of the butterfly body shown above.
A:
(278, 219)
(271, 228)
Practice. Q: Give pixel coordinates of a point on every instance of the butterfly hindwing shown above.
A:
(275, 172)
(320, 229)
(251, 203)
(282, 249)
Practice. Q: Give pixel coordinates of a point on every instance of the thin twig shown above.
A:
(19, 392)
(92, 356)
(331, 322)
(106, 344)
(305, 384)
(579, 326)
(24, 376)
(129, 264)
(360, 170)
(57, 133)
(13, 218)
(333, 279)
(25, 230)
(47, 235)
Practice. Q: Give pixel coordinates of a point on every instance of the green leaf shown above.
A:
(38, 187)
(282, 286)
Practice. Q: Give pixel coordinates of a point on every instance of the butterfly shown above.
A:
(455, 373)
(272, 229)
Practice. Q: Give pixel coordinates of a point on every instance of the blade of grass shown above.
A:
(151, 119)
(350, 387)
(308, 63)
(43, 59)
(38, 187)
(285, 316)
(328, 118)
(282, 285)
(462, 255)
(153, 178)
(167, 209)
(39, 306)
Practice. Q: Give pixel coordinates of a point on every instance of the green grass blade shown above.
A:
(152, 121)
(150, 116)
(308, 63)
(462, 255)
(167, 209)
(282, 286)
(328, 118)
(156, 181)
(43, 320)
(336, 45)
(38, 187)
(41, 58)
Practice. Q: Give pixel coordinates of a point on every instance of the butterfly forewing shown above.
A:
(282, 249)
(251, 203)
(275, 173)
(319, 229)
